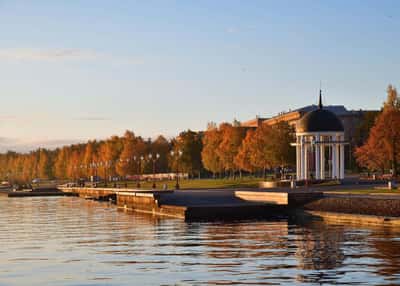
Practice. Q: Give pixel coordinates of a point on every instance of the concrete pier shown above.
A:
(35, 193)
(291, 198)
(203, 204)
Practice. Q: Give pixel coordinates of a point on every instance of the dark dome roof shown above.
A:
(319, 120)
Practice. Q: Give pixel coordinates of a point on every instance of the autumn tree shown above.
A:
(243, 157)
(382, 148)
(109, 153)
(367, 156)
(60, 164)
(260, 150)
(281, 138)
(162, 147)
(74, 167)
(393, 100)
(364, 126)
(31, 165)
(88, 157)
(211, 140)
(190, 144)
(124, 164)
(267, 147)
(44, 165)
(231, 140)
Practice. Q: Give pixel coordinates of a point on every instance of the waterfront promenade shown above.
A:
(201, 204)
(244, 203)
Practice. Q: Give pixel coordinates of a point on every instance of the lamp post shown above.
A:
(127, 160)
(154, 159)
(109, 169)
(80, 184)
(105, 164)
(91, 172)
(124, 163)
(139, 169)
(75, 173)
(99, 166)
(94, 167)
(96, 170)
(177, 156)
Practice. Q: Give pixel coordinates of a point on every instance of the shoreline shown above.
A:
(242, 204)
(237, 204)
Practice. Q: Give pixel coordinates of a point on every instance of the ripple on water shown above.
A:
(70, 241)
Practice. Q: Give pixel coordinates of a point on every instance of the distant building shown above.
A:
(254, 122)
(349, 118)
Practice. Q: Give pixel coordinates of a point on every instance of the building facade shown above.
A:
(349, 118)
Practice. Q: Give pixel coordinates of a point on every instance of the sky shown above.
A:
(77, 70)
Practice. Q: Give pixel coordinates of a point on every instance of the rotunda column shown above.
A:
(298, 157)
(337, 159)
(322, 160)
(342, 158)
(302, 157)
(317, 157)
(333, 156)
(305, 163)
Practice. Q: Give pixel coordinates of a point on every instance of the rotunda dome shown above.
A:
(319, 120)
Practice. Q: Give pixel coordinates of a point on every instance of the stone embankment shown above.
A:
(202, 204)
(243, 203)
(378, 205)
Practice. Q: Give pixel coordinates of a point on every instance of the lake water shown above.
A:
(70, 241)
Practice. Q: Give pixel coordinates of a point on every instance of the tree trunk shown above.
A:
(394, 159)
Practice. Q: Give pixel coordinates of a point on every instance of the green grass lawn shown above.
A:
(245, 182)
(198, 183)
(364, 191)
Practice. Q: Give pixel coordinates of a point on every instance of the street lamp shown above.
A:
(177, 155)
(79, 182)
(139, 169)
(124, 163)
(109, 169)
(154, 159)
(75, 173)
(105, 164)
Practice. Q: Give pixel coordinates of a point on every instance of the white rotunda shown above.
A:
(319, 145)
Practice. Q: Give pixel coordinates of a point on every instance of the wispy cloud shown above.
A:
(92, 118)
(20, 145)
(62, 55)
(47, 55)
(7, 140)
(7, 117)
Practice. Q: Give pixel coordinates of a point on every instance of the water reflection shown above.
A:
(319, 246)
(387, 249)
(70, 241)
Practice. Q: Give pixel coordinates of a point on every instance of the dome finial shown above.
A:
(320, 99)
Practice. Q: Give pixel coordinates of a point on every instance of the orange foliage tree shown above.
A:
(84, 160)
(231, 140)
(125, 164)
(211, 140)
(189, 143)
(243, 157)
(382, 148)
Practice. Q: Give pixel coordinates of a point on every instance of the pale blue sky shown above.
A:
(74, 70)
